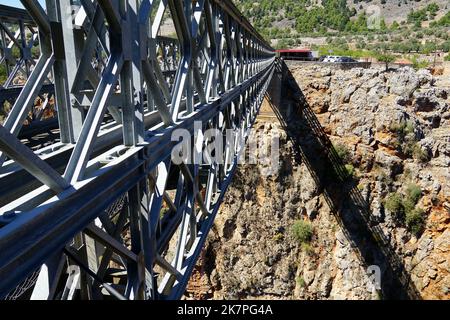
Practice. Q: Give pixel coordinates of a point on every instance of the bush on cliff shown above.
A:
(302, 231)
(415, 221)
(404, 208)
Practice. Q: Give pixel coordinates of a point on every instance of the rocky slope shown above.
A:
(392, 130)
(381, 117)
(394, 10)
(390, 10)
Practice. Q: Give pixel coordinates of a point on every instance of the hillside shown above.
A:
(398, 10)
(402, 26)
(335, 15)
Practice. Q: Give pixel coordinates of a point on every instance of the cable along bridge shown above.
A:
(91, 204)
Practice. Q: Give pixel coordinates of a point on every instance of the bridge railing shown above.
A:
(106, 210)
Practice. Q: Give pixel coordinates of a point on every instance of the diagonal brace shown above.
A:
(10, 145)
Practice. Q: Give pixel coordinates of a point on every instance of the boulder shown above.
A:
(404, 82)
(392, 163)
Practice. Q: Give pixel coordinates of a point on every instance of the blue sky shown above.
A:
(16, 3)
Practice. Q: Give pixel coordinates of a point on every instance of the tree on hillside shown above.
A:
(385, 57)
(282, 44)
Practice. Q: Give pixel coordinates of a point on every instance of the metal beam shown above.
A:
(30, 162)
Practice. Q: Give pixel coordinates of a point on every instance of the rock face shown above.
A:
(395, 127)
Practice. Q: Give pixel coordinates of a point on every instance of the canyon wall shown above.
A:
(364, 166)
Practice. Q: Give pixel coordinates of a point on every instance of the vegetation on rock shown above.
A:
(404, 208)
(343, 152)
(302, 231)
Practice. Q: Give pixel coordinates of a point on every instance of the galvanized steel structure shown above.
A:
(103, 212)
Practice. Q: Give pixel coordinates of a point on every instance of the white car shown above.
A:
(331, 59)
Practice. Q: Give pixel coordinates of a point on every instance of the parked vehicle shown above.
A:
(331, 59)
(337, 59)
(345, 60)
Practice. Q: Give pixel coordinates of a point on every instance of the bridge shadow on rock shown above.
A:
(313, 148)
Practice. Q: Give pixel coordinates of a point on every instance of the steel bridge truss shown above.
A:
(105, 212)
(19, 51)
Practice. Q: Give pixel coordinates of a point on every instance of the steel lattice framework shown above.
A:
(104, 212)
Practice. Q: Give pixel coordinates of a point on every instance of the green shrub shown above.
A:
(302, 231)
(404, 208)
(385, 58)
(419, 154)
(409, 128)
(350, 170)
(406, 141)
(307, 248)
(412, 149)
(394, 204)
(300, 281)
(402, 128)
(343, 152)
(415, 221)
(419, 64)
(407, 148)
(408, 205)
(414, 193)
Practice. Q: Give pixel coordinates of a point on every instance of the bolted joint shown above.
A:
(26, 53)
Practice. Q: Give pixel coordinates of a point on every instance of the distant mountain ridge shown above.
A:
(306, 16)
